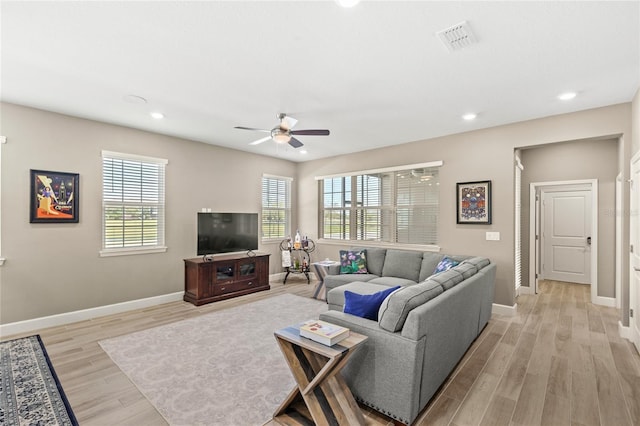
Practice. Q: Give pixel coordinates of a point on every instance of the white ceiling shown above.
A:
(375, 75)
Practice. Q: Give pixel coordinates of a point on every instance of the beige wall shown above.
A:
(478, 155)
(588, 159)
(55, 268)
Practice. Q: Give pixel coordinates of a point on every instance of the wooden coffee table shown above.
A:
(321, 396)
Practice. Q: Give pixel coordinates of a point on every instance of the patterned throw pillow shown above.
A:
(445, 264)
(353, 262)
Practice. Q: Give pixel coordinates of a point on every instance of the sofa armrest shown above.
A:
(385, 373)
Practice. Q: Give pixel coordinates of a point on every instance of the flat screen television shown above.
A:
(227, 232)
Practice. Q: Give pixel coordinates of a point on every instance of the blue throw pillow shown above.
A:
(365, 305)
(445, 264)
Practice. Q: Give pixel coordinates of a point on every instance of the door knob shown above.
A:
(588, 241)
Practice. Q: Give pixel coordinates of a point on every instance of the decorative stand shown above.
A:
(321, 395)
(300, 258)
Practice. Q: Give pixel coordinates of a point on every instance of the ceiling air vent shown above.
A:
(457, 37)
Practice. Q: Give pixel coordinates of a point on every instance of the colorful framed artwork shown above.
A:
(54, 197)
(473, 202)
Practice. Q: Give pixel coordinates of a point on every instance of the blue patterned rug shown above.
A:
(30, 393)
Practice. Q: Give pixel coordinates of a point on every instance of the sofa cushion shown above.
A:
(479, 262)
(335, 297)
(332, 281)
(392, 281)
(395, 308)
(365, 305)
(353, 262)
(429, 262)
(466, 269)
(375, 258)
(402, 264)
(447, 279)
(445, 264)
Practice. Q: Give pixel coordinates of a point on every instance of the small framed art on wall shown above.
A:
(473, 202)
(54, 197)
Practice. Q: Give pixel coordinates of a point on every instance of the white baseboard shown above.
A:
(524, 290)
(86, 314)
(629, 333)
(505, 310)
(605, 301)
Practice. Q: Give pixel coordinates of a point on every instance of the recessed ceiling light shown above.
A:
(567, 96)
(347, 3)
(157, 115)
(470, 116)
(303, 152)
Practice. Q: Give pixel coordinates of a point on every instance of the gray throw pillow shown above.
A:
(395, 308)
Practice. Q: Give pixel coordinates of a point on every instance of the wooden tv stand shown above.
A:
(224, 276)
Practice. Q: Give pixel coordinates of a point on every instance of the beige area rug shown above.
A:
(222, 368)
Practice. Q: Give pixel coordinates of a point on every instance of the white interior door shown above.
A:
(634, 239)
(566, 236)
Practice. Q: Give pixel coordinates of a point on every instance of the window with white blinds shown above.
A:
(133, 204)
(518, 217)
(394, 206)
(276, 207)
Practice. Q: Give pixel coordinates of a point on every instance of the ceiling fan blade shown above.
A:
(259, 141)
(288, 122)
(251, 128)
(311, 132)
(295, 143)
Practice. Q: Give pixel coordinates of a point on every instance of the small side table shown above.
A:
(321, 269)
(321, 396)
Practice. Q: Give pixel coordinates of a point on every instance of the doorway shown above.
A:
(564, 229)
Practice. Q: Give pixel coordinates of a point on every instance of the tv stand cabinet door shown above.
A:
(197, 281)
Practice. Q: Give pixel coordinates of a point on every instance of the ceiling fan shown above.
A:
(283, 132)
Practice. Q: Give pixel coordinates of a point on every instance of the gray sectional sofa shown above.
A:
(423, 329)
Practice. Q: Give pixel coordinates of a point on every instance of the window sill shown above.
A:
(131, 251)
(361, 243)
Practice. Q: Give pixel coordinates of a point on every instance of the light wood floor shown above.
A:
(559, 361)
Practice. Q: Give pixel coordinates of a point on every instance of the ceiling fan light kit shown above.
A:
(282, 133)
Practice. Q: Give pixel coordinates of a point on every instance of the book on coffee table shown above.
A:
(323, 332)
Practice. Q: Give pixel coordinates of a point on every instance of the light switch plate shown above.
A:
(493, 236)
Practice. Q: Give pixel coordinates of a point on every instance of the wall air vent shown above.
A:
(457, 37)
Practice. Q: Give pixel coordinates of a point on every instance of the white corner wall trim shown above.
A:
(86, 314)
(630, 334)
(505, 310)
